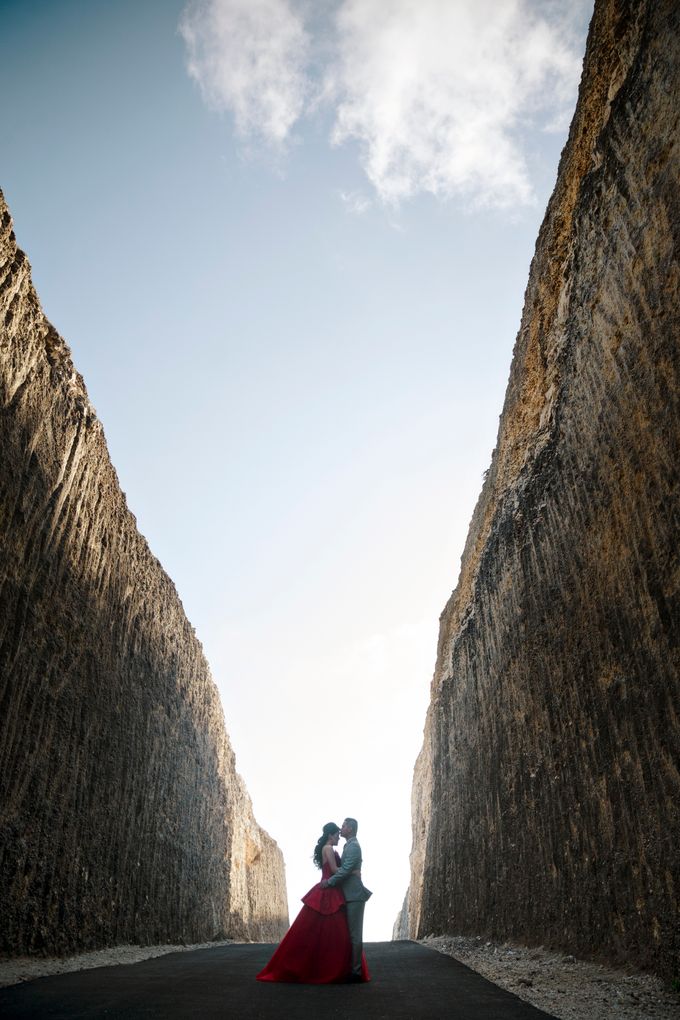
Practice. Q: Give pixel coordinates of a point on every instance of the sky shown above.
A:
(287, 242)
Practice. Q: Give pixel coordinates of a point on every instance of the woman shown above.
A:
(316, 949)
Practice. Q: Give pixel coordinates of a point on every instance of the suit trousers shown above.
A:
(355, 923)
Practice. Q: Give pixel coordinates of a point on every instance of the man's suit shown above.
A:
(356, 895)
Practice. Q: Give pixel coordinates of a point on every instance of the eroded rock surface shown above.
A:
(122, 816)
(547, 794)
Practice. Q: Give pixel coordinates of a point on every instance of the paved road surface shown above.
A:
(408, 982)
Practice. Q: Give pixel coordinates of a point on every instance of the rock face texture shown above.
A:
(122, 817)
(546, 800)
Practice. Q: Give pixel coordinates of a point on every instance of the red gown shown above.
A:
(316, 949)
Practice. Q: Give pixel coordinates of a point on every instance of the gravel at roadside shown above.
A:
(26, 968)
(563, 986)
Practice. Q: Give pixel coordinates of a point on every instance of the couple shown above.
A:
(324, 944)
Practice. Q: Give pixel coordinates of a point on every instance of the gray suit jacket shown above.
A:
(352, 886)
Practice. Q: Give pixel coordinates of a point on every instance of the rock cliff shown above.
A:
(546, 798)
(122, 817)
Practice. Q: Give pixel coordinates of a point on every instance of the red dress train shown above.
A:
(316, 949)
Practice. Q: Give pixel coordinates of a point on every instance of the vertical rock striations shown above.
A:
(122, 817)
(547, 794)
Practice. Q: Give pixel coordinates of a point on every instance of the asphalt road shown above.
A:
(408, 982)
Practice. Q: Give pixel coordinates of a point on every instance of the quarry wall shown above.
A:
(546, 798)
(122, 816)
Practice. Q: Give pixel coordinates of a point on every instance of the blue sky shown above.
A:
(288, 246)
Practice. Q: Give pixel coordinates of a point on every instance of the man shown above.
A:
(349, 876)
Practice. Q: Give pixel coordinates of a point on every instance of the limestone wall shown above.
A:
(122, 818)
(546, 798)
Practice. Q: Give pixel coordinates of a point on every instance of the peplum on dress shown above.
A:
(316, 949)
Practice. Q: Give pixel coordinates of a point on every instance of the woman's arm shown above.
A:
(328, 856)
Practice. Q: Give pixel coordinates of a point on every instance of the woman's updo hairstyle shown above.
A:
(329, 829)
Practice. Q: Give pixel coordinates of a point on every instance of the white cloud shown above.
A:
(435, 93)
(355, 202)
(248, 56)
(435, 90)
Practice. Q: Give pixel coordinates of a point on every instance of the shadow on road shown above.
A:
(409, 982)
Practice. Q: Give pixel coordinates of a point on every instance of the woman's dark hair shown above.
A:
(329, 829)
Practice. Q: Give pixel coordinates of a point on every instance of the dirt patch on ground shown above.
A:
(563, 986)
